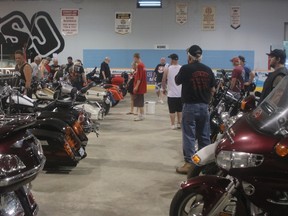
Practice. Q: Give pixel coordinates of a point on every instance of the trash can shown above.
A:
(150, 107)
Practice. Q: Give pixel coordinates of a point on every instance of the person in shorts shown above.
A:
(157, 76)
(140, 87)
(173, 92)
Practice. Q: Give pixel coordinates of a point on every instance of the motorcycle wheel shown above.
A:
(209, 169)
(124, 91)
(186, 202)
(116, 102)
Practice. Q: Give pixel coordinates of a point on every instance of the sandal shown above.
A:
(130, 113)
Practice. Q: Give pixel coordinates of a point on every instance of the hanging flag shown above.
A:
(123, 22)
(235, 17)
(69, 21)
(181, 13)
(208, 18)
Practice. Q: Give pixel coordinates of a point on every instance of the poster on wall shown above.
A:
(123, 22)
(69, 21)
(235, 17)
(181, 13)
(208, 18)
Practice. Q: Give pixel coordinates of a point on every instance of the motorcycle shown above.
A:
(61, 133)
(253, 156)
(21, 160)
(14, 102)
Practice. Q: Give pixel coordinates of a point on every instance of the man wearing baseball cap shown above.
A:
(277, 62)
(173, 92)
(198, 85)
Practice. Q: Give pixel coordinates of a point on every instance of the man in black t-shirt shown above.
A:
(105, 73)
(157, 76)
(68, 65)
(277, 62)
(198, 85)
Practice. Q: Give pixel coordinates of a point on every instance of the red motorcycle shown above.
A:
(253, 158)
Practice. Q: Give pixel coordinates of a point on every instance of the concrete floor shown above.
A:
(129, 170)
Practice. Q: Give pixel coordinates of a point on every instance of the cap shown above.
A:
(70, 58)
(194, 50)
(235, 60)
(242, 58)
(173, 56)
(277, 53)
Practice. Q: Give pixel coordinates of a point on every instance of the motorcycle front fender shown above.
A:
(214, 190)
(206, 154)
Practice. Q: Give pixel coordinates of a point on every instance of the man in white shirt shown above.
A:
(35, 68)
(173, 91)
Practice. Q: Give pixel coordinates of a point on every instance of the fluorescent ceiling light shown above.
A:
(143, 3)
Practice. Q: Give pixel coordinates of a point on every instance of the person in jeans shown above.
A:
(198, 85)
(173, 92)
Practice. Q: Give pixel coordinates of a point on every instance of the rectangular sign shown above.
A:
(181, 13)
(69, 21)
(235, 17)
(123, 21)
(208, 18)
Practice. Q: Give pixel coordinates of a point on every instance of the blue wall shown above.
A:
(122, 58)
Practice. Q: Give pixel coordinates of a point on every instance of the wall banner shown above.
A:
(123, 21)
(235, 17)
(181, 13)
(208, 18)
(69, 21)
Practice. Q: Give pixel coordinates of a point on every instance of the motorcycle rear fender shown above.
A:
(212, 188)
(51, 124)
(206, 154)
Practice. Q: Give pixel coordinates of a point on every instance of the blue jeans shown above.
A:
(195, 125)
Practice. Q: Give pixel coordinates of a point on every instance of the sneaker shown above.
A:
(184, 169)
(173, 127)
(161, 101)
(139, 118)
(178, 126)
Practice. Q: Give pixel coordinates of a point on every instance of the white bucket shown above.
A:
(150, 107)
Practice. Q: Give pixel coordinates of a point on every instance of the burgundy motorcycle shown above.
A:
(253, 156)
(21, 159)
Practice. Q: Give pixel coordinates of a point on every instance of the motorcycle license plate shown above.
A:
(81, 152)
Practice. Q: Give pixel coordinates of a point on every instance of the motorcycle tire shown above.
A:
(187, 202)
(209, 169)
(116, 102)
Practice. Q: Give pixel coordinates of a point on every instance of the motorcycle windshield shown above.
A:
(271, 116)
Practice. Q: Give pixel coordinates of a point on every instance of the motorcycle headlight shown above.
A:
(228, 160)
(224, 116)
(10, 163)
(11, 205)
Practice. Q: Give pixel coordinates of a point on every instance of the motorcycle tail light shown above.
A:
(281, 150)
(10, 163)
(72, 143)
(78, 128)
(196, 159)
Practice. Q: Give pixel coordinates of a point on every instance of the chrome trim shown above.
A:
(23, 176)
(284, 202)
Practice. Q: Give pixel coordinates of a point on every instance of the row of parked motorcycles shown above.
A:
(244, 171)
(49, 131)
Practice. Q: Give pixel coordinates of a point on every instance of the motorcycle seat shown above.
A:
(64, 103)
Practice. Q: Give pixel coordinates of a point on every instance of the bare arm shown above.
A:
(164, 80)
(232, 83)
(28, 76)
